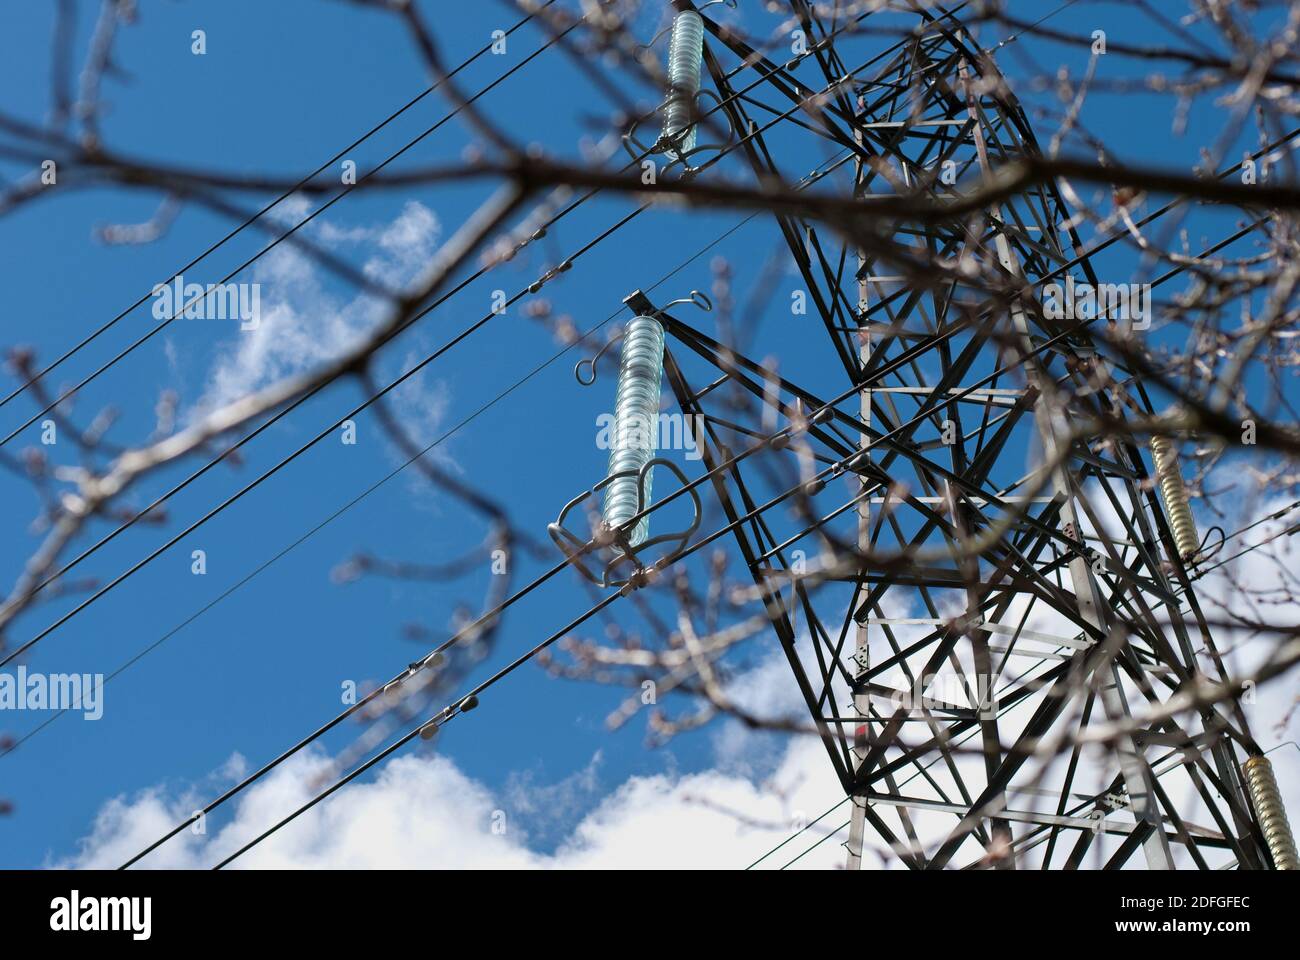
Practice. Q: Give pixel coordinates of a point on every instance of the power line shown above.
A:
(921, 768)
(530, 288)
(51, 578)
(1275, 515)
(924, 413)
(555, 39)
(397, 745)
(176, 313)
(819, 842)
(364, 494)
(256, 482)
(454, 709)
(371, 489)
(356, 500)
(802, 830)
(262, 212)
(1023, 30)
(54, 576)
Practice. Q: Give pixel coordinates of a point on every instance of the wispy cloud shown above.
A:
(303, 323)
(424, 811)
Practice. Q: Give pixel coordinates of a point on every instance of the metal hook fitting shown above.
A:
(577, 368)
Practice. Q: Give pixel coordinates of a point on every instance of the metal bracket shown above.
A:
(612, 546)
(642, 307)
(671, 146)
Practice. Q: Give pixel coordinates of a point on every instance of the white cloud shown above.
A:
(423, 811)
(302, 323)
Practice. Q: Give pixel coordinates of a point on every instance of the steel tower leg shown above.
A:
(862, 649)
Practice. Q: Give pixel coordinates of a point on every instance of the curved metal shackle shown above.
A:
(696, 298)
(576, 549)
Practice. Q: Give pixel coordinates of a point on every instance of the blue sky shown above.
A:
(281, 88)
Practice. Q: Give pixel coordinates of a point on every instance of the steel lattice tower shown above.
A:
(941, 411)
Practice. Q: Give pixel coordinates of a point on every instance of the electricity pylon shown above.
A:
(1015, 585)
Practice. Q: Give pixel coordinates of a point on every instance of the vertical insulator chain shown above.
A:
(685, 56)
(636, 423)
(1169, 477)
(1267, 801)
